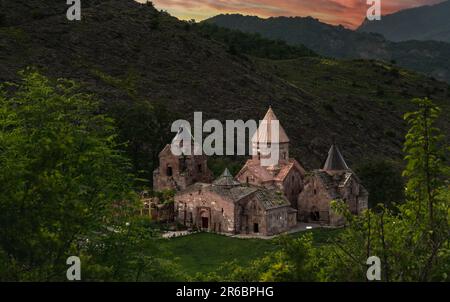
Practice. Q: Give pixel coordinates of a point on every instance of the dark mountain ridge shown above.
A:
(430, 57)
(430, 22)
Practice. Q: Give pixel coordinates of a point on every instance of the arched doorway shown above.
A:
(256, 228)
(314, 214)
(204, 220)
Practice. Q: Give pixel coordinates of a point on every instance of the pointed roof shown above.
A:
(226, 180)
(264, 132)
(335, 161)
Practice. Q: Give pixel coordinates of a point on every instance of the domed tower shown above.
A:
(285, 174)
(264, 137)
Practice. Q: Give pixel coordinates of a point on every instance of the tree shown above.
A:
(383, 179)
(144, 128)
(427, 174)
(61, 176)
(425, 169)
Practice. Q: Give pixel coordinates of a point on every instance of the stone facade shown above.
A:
(226, 206)
(334, 182)
(265, 200)
(179, 172)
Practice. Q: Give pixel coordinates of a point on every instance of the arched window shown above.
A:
(169, 171)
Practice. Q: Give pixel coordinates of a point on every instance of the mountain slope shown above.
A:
(431, 22)
(122, 51)
(430, 58)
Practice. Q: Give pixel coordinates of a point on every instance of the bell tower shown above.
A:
(265, 137)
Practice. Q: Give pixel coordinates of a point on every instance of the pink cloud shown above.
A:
(349, 13)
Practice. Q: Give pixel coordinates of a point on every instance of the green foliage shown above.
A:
(165, 196)
(143, 126)
(18, 35)
(202, 253)
(425, 156)
(383, 179)
(129, 252)
(252, 260)
(254, 45)
(61, 174)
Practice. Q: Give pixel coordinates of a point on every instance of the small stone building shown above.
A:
(286, 175)
(178, 172)
(226, 206)
(334, 182)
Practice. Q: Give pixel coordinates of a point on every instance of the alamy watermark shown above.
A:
(374, 270)
(74, 271)
(262, 141)
(74, 10)
(374, 11)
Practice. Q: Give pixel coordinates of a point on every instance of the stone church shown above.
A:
(227, 206)
(259, 200)
(179, 172)
(335, 181)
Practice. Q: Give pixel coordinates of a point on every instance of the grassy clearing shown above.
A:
(205, 252)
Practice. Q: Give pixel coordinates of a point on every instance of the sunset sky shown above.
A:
(349, 13)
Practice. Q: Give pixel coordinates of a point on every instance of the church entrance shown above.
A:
(314, 214)
(205, 222)
(255, 228)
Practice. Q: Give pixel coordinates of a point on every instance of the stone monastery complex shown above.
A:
(259, 200)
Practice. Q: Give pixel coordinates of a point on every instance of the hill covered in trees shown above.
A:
(149, 68)
(429, 22)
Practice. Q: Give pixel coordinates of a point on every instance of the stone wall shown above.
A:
(314, 202)
(193, 209)
(279, 220)
(251, 217)
(292, 186)
(178, 172)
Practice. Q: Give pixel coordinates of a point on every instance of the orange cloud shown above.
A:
(349, 13)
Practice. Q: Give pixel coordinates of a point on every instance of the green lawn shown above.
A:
(205, 252)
